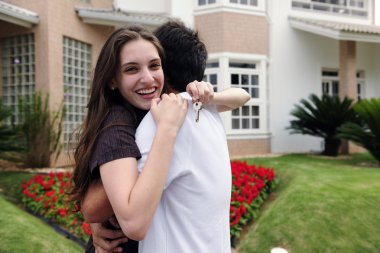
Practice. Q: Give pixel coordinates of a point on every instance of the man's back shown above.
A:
(193, 214)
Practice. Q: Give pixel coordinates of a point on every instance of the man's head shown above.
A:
(185, 54)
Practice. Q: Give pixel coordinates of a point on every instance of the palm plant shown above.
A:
(322, 117)
(367, 132)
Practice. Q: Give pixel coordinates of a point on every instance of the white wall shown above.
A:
(296, 60)
(148, 6)
(182, 9)
(368, 59)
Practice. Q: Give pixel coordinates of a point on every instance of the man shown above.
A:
(193, 214)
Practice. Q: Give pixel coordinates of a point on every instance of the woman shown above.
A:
(128, 81)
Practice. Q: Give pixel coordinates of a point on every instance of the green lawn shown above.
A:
(22, 232)
(321, 205)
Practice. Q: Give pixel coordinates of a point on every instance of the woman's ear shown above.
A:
(113, 85)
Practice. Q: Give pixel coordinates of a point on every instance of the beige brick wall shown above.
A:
(57, 19)
(247, 148)
(233, 32)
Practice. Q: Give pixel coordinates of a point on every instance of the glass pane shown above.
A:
(243, 2)
(245, 110)
(233, 1)
(235, 124)
(211, 1)
(212, 65)
(234, 79)
(335, 88)
(255, 110)
(254, 92)
(235, 112)
(254, 79)
(245, 123)
(201, 2)
(255, 123)
(253, 2)
(244, 79)
(213, 79)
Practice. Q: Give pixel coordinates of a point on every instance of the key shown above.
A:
(197, 106)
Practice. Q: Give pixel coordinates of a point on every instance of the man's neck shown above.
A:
(171, 90)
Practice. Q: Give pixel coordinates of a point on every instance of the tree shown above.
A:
(322, 117)
(365, 133)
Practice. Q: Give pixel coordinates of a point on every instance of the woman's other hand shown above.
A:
(170, 112)
(201, 91)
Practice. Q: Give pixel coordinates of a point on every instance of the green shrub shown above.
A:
(321, 117)
(10, 137)
(367, 132)
(41, 129)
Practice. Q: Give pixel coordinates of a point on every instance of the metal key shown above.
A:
(197, 106)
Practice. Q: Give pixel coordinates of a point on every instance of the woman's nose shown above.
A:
(147, 76)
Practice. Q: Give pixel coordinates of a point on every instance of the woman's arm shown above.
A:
(225, 100)
(134, 198)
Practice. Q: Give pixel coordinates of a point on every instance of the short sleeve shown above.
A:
(116, 139)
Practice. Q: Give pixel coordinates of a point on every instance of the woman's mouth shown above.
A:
(147, 91)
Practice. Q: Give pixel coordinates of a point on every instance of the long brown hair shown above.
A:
(101, 99)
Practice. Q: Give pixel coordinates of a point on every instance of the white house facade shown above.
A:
(280, 51)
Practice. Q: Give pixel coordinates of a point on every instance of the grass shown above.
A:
(321, 205)
(22, 232)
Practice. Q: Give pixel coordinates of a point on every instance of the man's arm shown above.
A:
(96, 206)
(225, 100)
(230, 99)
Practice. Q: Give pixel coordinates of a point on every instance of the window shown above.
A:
(360, 85)
(76, 78)
(245, 2)
(246, 76)
(330, 83)
(205, 2)
(211, 74)
(354, 8)
(18, 71)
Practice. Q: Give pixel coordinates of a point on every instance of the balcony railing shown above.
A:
(353, 8)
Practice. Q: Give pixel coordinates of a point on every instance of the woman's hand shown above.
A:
(170, 112)
(201, 91)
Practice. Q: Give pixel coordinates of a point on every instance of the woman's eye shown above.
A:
(130, 69)
(155, 65)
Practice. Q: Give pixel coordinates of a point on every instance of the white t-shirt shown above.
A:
(193, 213)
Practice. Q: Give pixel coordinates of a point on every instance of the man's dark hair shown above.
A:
(185, 54)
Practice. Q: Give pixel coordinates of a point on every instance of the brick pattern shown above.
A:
(347, 73)
(247, 148)
(57, 19)
(222, 30)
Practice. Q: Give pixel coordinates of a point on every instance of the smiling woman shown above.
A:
(140, 77)
(128, 81)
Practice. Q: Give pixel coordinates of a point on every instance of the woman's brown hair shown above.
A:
(100, 100)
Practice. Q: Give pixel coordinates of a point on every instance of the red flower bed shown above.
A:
(46, 195)
(251, 185)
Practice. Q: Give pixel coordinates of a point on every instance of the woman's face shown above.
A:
(140, 77)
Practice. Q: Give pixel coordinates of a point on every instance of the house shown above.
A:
(279, 51)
